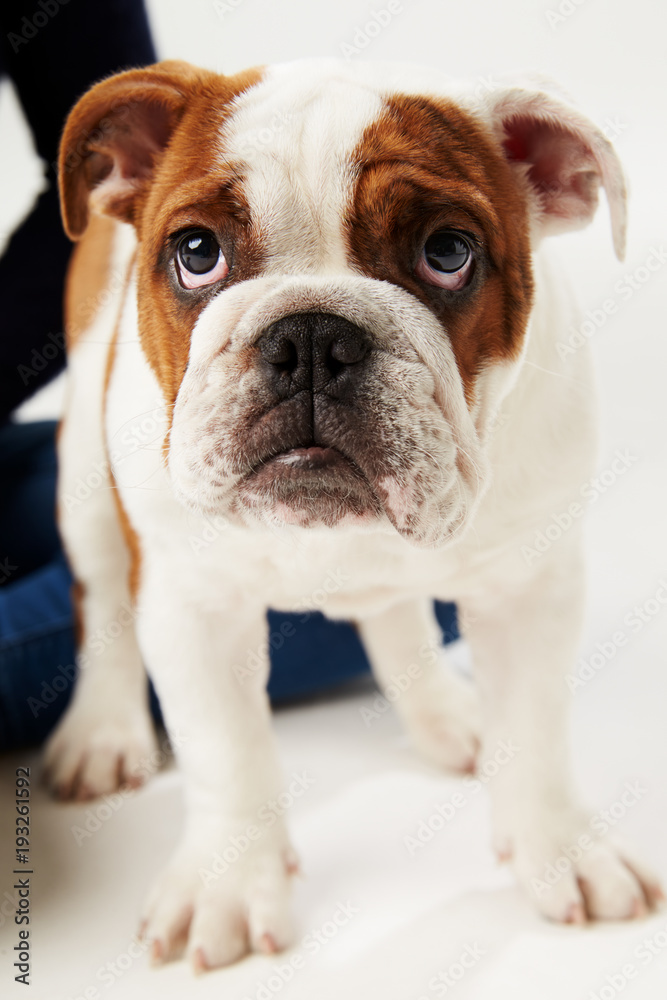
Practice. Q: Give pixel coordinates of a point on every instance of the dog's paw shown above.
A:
(93, 753)
(221, 903)
(443, 722)
(584, 878)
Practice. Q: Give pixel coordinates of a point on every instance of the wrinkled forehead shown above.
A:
(297, 132)
(286, 155)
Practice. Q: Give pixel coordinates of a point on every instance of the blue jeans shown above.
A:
(309, 654)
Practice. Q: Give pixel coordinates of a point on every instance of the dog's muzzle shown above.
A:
(312, 364)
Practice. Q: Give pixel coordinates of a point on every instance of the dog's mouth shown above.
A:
(304, 467)
(314, 458)
(317, 482)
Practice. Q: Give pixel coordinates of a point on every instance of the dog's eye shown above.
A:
(446, 260)
(199, 259)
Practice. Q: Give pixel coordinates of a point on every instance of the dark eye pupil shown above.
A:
(446, 252)
(198, 252)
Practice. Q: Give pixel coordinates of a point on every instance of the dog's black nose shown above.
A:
(315, 351)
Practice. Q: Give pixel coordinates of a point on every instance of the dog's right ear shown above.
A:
(560, 157)
(113, 138)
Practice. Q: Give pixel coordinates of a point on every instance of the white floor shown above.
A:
(405, 921)
(404, 918)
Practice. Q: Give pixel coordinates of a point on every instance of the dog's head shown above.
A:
(334, 273)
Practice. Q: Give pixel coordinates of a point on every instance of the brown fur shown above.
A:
(87, 278)
(159, 128)
(185, 194)
(131, 540)
(129, 534)
(426, 165)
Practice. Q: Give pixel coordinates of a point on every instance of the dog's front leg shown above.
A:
(524, 641)
(437, 707)
(226, 889)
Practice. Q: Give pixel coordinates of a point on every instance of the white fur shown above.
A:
(314, 123)
(517, 458)
(106, 730)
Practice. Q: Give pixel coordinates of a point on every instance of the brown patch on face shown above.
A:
(88, 277)
(192, 188)
(133, 147)
(426, 166)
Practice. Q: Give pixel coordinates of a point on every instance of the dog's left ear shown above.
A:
(561, 156)
(114, 136)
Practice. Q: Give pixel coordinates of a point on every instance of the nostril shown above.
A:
(347, 351)
(280, 352)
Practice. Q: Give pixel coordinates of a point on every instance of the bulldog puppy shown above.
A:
(313, 329)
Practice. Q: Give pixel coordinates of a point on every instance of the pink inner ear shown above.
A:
(562, 168)
(515, 146)
(136, 135)
(563, 156)
(122, 154)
